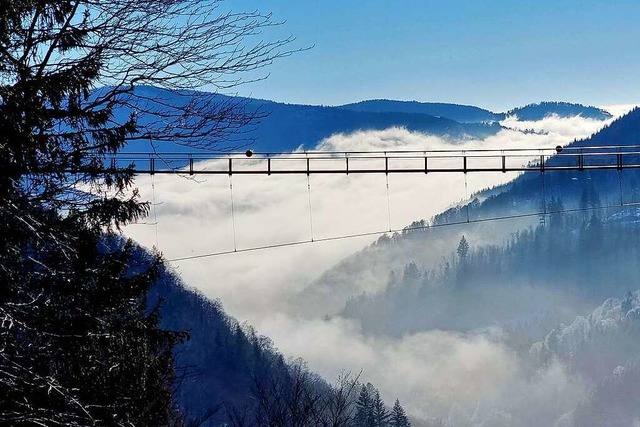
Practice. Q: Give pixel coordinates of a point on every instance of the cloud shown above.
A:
(436, 374)
(619, 109)
(558, 128)
(194, 217)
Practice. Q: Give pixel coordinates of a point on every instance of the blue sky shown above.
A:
(494, 54)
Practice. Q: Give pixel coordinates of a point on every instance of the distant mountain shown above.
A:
(471, 114)
(289, 126)
(459, 113)
(533, 112)
(285, 127)
(282, 127)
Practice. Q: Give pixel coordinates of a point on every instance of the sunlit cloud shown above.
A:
(619, 109)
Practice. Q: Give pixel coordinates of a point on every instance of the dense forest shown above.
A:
(585, 258)
(539, 111)
(228, 373)
(459, 113)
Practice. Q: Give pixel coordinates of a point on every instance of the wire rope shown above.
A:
(310, 206)
(233, 215)
(155, 208)
(398, 230)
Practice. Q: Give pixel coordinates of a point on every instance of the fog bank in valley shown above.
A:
(431, 372)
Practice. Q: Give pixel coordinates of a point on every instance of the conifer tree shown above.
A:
(364, 409)
(379, 412)
(463, 248)
(79, 344)
(627, 304)
(398, 418)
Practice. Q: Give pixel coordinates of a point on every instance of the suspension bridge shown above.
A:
(382, 162)
(586, 158)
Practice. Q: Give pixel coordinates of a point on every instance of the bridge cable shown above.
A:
(310, 206)
(155, 207)
(388, 202)
(233, 215)
(406, 229)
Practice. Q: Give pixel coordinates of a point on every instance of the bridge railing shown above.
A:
(382, 162)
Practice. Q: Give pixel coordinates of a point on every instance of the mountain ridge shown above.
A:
(544, 109)
(282, 127)
(458, 112)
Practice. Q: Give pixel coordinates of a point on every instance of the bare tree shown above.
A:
(74, 77)
(300, 400)
(78, 346)
(340, 402)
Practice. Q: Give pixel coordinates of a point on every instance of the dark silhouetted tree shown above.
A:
(398, 418)
(78, 343)
(298, 399)
(463, 248)
(380, 414)
(364, 409)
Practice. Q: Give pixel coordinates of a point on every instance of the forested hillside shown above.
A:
(540, 276)
(541, 110)
(575, 247)
(276, 127)
(228, 374)
(221, 362)
(459, 113)
(526, 197)
(602, 347)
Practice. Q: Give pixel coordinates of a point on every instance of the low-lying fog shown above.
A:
(446, 369)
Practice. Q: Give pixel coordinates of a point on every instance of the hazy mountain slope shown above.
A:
(289, 126)
(525, 193)
(623, 131)
(219, 364)
(459, 113)
(537, 278)
(562, 109)
(369, 269)
(226, 370)
(602, 347)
